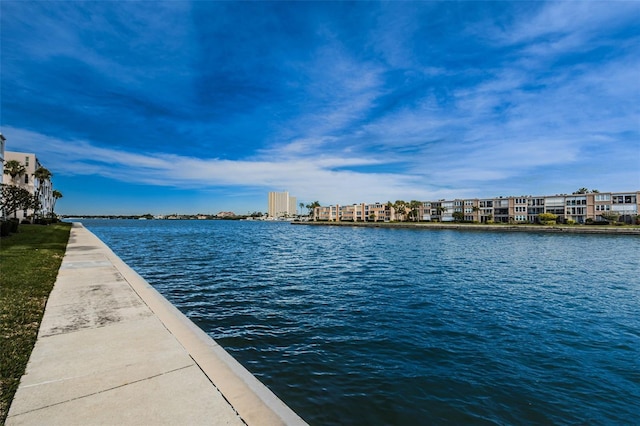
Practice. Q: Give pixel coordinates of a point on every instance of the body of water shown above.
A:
(370, 326)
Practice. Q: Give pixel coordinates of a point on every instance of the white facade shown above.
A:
(30, 183)
(2, 142)
(447, 214)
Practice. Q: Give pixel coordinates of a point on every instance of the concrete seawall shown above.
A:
(576, 229)
(112, 350)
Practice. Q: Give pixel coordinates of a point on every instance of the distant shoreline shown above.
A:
(559, 229)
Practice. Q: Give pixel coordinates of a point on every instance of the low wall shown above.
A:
(575, 229)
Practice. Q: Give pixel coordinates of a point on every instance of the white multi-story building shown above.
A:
(578, 208)
(281, 204)
(2, 142)
(28, 181)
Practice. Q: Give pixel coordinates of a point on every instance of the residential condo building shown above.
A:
(578, 208)
(2, 145)
(281, 204)
(30, 183)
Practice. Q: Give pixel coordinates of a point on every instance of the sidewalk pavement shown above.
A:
(111, 350)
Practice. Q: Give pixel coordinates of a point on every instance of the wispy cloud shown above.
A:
(320, 177)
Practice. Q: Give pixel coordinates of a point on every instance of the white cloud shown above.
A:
(304, 177)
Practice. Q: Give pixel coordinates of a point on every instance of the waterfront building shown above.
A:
(281, 204)
(376, 212)
(41, 188)
(573, 208)
(2, 145)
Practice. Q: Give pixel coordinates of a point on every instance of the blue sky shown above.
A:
(190, 107)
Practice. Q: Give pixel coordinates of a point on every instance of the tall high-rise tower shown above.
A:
(281, 204)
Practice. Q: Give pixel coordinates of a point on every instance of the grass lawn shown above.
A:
(29, 263)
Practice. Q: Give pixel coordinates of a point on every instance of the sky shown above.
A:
(200, 107)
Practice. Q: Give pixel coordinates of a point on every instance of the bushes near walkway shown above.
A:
(29, 263)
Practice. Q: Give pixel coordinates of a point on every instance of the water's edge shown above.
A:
(493, 228)
(249, 397)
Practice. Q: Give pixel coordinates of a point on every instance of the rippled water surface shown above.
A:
(369, 326)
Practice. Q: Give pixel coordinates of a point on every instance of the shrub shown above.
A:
(547, 218)
(5, 228)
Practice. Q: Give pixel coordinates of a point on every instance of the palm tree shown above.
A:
(401, 209)
(14, 169)
(56, 196)
(414, 205)
(42, 175)
(312, 207)
(301, 205)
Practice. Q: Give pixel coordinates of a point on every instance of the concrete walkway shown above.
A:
(111, 350)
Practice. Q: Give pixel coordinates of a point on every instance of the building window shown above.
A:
(26, 161)
(603, 197)
(623, 199)
(26, 178)
(576, 201)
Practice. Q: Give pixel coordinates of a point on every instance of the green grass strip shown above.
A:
(29, 263)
